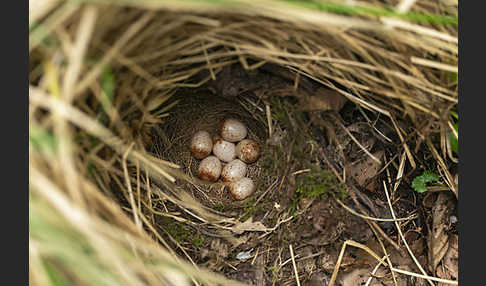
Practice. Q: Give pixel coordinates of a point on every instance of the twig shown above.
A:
(295, 266)
(372, 223)
(407, 150)
(341, 254)
(425, 276)
(333, 169)
(269, 120)
(403, 237)
(390, 265)
(373, 272)
(356, 140)
(372, 218)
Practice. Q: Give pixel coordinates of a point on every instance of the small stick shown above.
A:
(373, 272)
(254, 257)
(372, 223)
(324, 156)
(356, 140)
(138, 187)
(386, 256)
(341, 254)
(300, 172)
(295, 266)
(372, 218)
(407, 150)
(269, 120)
(425, 276)
(403, 237)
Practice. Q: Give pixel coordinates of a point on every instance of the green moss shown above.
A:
(271, 221)
(198, 241)
(318, 183)
(250, 209)
(177, 230)
(220, 207)
(294, 124)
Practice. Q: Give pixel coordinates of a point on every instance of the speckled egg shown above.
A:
(201, 144)
(242, 188)
(233, 171)
(210, 169)
(232, 130)
(224, 150)
(247, 151)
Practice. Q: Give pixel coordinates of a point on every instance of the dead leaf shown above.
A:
(249, 225)
(318, 279)
(364, 170)
(356, 277)
(359, 277)
(438, 240)
(220, 248)
(450, 265)
(322, 100)
(327, 261)
(308, 265)
(416, 241)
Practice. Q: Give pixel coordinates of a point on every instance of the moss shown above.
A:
(220, 207)
(250, 209)
(271, 221)
(177, 230)
(198, 241)
(293, 123)
(318, 183)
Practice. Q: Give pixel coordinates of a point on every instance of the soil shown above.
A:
(298, 190)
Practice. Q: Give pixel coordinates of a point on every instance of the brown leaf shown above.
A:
(361, 275)
(363, 170)
(249, 225)
(438, 240)
(450, 265)
(356, 277)
(322, 100)
(219, 248)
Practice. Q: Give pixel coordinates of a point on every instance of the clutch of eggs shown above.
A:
(231, 147)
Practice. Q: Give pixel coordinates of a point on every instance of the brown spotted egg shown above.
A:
(224, 150)
(242, 188)
(233, 171)
(201, 144)
(232, 130)
(210, 169)
(247, 151)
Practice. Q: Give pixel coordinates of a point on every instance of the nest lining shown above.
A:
(199, 109)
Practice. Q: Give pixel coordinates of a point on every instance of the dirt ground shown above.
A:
(314, 184)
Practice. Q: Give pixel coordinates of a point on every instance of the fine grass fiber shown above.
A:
(114, 96)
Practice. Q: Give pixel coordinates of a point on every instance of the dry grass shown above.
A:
(87, 141)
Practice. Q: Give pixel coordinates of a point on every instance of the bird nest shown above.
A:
(197, 110)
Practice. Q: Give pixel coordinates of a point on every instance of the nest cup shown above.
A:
(199, 109)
